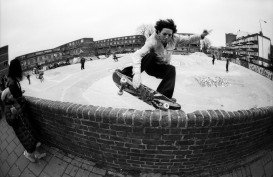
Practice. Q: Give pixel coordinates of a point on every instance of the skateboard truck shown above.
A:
(160, 105)
(122, 83)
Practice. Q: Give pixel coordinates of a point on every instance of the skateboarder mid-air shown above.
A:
(154, 57)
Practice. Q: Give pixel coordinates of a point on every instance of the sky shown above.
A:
(32, 25)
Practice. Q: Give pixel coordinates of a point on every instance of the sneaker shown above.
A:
(173, 100)
(29, 156)
(158, 96)
(39, 155)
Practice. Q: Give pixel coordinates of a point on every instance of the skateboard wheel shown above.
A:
(122, 80)
(166, 105)
(120, 93)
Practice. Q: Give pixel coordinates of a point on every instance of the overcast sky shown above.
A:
(32, 25)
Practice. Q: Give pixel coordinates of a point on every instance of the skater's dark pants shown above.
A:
(163, 71)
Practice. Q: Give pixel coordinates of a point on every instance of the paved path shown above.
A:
(59, 164)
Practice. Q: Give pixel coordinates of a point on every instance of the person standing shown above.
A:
(28, 78)
(16, 112)
(41, 76)
(82, 63)
(115, 57)
(213, 59)
(227, 64)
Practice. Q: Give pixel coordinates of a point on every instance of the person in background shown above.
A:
(227, 64)
(28, 78)
(155, 56)
(115, 57)
(41, 76)
(16, 112)
(213, 59)
(82, 63)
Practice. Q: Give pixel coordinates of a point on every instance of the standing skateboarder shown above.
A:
(154, 57)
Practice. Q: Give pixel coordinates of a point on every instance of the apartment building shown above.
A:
(122, 44)
(254, 48)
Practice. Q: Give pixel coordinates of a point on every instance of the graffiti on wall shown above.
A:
(261, 71)
(244, 64)
(253, 67)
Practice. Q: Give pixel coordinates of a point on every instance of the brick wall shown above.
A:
(202, 142)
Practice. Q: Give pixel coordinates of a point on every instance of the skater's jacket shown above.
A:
(163, 53)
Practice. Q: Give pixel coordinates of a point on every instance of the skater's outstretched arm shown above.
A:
(190, 39)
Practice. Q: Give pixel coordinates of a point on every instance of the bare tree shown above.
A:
(146, 30)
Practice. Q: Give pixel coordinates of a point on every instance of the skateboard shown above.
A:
(144, 93)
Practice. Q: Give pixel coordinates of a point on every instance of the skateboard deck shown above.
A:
(144, 93)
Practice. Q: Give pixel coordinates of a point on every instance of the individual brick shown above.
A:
(71, 111)
(80, 110)
(165, 118)
(118, 117)
(85, 111)
(63, 108)
(128, 117)
(137, 118)
(206, 117)
(98, 114)
(199, 118)
(220, 118)
(214, 118)
(243, 116)
(155, 118)
(182, 119)
(105, 115)
(174, 119)
(147, 118)
(191, 120)
(226, 117)
(91, 113)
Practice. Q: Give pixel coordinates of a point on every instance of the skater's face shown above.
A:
(165, 35)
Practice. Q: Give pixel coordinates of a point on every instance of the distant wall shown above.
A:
(253, 67)
(203, 142)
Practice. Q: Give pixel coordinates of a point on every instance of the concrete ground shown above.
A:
(59, 164)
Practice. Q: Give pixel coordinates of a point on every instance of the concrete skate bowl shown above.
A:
(200, 143)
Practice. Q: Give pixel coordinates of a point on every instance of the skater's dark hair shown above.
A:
(168, 23)
(15, 70)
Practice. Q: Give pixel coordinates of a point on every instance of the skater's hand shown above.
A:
(13, 110)
(136, 80)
